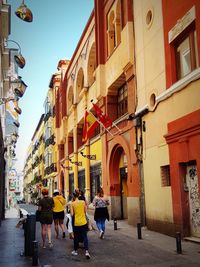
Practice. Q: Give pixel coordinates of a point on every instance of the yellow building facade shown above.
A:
(168, 149)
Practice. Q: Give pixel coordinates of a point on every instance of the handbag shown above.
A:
(37, 215)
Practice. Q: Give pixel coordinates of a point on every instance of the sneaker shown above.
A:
(63, 235)
(87, 255)
(74, 253)
(101, 234)
(50, 244)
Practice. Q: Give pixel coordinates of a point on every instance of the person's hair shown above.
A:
(81, 195)
(55, 194)
(100, 192)
(75, 194)
(45, 191)
(77, 191)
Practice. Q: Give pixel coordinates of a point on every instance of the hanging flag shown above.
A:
(103, 118)
(90, 124)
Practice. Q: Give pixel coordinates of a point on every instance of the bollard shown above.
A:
(20, 214)
(29, 234)
(35, 253)
(115, 224)
(139, 232)
(178, 243)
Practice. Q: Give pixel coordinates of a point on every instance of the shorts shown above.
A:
(59, 215)
(46, 217)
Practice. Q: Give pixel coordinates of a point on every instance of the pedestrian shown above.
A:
(82, 197)
(101, 203)
(78, 210)
(59, 212)
(45, 206)
(69, 223)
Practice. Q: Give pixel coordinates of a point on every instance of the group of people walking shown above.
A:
(52, 209)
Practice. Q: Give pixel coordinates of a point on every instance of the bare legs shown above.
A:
(46, 231)
(57, 223)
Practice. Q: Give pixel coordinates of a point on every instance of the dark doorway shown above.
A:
(123, 192)
(71, 185)
(81, 180)
(95, 180)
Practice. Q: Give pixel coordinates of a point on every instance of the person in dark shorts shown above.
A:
(58, 212)
(45, 206)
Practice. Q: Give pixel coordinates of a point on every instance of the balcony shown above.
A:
(50, 169)
(50, 141)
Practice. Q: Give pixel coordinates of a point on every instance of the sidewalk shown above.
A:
(12, 242)
(120, 247)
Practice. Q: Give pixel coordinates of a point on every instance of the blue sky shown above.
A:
(53, 35)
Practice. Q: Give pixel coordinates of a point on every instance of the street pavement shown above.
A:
(120, 247)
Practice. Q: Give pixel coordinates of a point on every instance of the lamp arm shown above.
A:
(15, 43)
(4, 100)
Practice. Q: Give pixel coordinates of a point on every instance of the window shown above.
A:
(47, 106)
(165, 175)
(122, 100)
(186, 54)
(48, 159)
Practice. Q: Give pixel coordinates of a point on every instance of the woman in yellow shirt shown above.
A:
(58, 212)
(78, 212)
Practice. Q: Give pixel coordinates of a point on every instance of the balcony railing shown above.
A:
(50, 141)
(50, 169)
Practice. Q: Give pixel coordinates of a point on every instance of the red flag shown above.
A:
(90, 124)
(103, 118)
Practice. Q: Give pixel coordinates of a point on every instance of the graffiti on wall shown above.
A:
(194, 199)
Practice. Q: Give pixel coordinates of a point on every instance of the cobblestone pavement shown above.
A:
(119, 248)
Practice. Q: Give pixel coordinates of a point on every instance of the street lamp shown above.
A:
(24, 13)
(19, 59)
(19, 87)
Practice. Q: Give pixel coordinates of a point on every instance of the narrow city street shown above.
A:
(100, 118)
(120, 247)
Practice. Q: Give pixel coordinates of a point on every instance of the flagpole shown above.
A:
(101, 124)
(117, 127)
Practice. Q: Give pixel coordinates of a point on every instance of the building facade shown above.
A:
(167, 72)
(101, 71)
(138, 61)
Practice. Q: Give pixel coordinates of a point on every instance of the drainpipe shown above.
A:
(139, 129)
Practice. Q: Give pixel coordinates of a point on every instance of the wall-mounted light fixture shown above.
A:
(19, 59)
(69, 168)
(19, 87)
(24, 13)
(91, 157)
(16, 123)
(78, 163)
(17, 108)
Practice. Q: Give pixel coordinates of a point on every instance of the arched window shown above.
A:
(111, 33)
(79, 84)
(92, 65)
(70, 98)
(118, 22)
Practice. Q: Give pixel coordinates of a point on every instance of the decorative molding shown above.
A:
(182, 24)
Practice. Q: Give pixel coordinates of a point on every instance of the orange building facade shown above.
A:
(139, 62)
(101, 70)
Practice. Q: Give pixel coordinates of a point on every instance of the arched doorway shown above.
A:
(118, 182)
